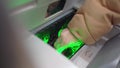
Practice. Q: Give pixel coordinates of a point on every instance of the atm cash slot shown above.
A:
(50, 31)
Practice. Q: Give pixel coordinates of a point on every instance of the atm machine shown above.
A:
(44, 19)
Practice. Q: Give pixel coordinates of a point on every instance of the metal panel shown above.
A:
(33, 14)
(109, 56)
(12, 4)
(88, 53)
(44, 56)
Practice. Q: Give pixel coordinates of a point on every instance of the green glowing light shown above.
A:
(62, 28)
(59, 33)
(45, 37)
(70, 49)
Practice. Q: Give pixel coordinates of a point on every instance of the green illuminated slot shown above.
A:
(70, 49)
(45, 37)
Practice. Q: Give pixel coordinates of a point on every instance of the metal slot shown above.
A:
(63, 15)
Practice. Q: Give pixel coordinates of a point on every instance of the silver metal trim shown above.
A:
(52, 21)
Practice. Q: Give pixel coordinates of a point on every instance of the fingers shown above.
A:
(65, 38)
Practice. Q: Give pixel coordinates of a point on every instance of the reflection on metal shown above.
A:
(23, 8)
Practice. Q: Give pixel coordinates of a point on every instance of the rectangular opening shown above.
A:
(49, 34)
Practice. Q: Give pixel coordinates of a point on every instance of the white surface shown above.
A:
(43, 56)
(85, 55)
